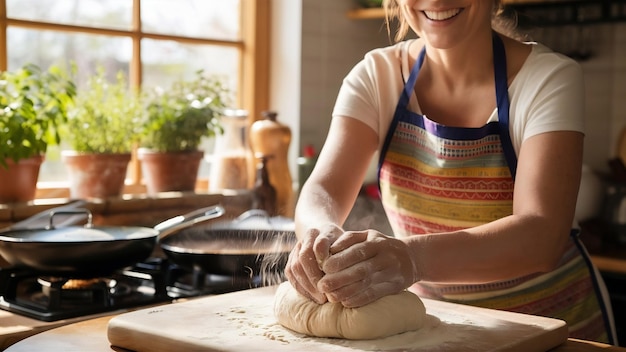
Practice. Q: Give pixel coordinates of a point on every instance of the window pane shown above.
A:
(46, 48)
(192, 18)
(167, 61)
(113, 14)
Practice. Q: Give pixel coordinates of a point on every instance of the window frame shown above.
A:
(253, 71)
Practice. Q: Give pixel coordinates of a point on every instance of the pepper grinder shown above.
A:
(270, 137)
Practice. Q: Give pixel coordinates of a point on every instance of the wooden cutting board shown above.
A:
(244, 321)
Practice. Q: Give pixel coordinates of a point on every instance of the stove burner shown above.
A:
(58, 291)
(54, 298)
(185, 283)
(50, 298)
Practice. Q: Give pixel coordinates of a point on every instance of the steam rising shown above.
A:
(273, 263)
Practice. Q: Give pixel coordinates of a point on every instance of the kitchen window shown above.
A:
(153, 41)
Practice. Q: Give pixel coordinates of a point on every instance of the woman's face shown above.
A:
(445, 23)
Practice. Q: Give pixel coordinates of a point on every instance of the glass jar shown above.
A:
(232, 155)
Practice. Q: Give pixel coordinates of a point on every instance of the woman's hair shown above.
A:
(499, 22)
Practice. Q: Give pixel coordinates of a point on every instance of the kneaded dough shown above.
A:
(387, 316)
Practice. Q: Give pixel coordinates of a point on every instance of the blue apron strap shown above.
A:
(575, 236)
(403, 103)
(502, 101)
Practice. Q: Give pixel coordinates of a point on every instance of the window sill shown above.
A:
(138, 209)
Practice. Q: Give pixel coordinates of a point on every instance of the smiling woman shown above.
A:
(154, 42)
(500, 21)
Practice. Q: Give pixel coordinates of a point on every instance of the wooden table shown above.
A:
(90, 335)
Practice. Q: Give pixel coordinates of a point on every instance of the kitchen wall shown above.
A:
(315, 45)
(605, 78)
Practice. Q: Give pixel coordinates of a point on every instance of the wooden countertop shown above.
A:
(90, 335)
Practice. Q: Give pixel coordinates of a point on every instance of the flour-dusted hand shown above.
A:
(365, 266)
(304, 266)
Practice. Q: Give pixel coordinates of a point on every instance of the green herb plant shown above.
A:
(34, 103)
(107, 116)
(178, 118)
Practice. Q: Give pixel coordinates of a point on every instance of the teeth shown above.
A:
(441, 15)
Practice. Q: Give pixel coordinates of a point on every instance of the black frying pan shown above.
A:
(250, 245)
(90, 250)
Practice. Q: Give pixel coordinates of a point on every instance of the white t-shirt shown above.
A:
(546, 95)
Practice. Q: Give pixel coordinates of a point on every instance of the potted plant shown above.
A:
(101, 130)
(33, 103)
(176, 120)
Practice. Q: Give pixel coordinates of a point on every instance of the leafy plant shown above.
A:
(33, 104)
(178, 118)
(107, 116)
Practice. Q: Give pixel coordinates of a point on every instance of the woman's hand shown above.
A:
(365, 266)
(304, 266)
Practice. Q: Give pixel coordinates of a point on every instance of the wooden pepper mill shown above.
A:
(270, 137)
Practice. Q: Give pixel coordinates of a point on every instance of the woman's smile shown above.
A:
(442, 15)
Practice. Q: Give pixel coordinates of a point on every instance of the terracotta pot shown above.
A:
(18, 183)
(169, 171)
(96, 175)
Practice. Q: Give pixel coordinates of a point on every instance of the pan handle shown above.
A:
(80, 211)
(180, 222)
(41, 219)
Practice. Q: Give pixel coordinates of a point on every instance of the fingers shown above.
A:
(305, 261)
(350, 249)
(361, 284)
(366, 270)
(347, 240)
(324, 241)
(303, 273)
(349, 271)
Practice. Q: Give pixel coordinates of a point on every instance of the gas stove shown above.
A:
(50, 298)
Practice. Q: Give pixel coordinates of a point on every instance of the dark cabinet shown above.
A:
(616, 285)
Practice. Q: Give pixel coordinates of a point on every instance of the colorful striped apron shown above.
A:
(436, 178)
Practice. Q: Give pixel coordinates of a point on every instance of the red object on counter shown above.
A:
(372, 191)
(308, 151)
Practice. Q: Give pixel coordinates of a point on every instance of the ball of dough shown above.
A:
(387, 316)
